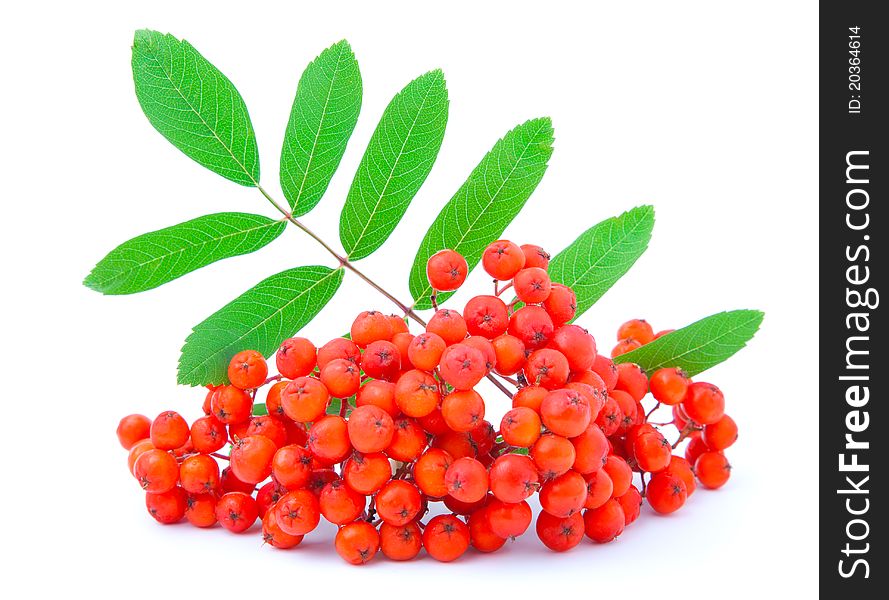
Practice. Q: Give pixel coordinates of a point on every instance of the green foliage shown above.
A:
(324, 113)
(155, 258)
(259, 319)
(602, 254)
(192, 104)
(699, 346)
(488, 201)
(398, 158)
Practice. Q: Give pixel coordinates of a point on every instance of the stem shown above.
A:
(656, 406)
(499, 385)
(218, 455)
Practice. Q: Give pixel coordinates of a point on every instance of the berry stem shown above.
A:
(218, 455)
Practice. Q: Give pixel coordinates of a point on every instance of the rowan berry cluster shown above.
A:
(370, 430)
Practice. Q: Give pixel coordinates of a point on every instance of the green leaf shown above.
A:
(260, 409)
(398, 158)
(324, 113)
(699, 346)
(155, 258)
(602, 255)
(487, 202)
(192, 104)
(259, 319)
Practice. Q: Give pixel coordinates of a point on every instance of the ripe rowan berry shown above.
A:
(484, 346)
(136, 451)
(341, 377)
(632, 380)
(704, 404)
(380, 394)
(560, 533)
(398, 502)
(721, 434)
(535, 256)
(425, 351)
(482, 437)
(429, 472)
(520, 427)
(462, 366)
(481, 536)
(553, 455)
(561, 304)
(247, 370)
(320, 478)
(463, 410)
(624, 346)
(547, 368)
(513, 478)
(502, 260)
(251, 458)
(167, 507)
(669, 386)
(638, 329)
(408, 440)
(329, 439)
(169, 431)
(236, 511)
(370, 429)
(467, 480)
(338, 348)
(133, 429)
(228, 482)
(620, 473)
(652, 452)
(267, 496)
(339, 503)
(270, 427)
(200, 509)
(367, 473)
(449, 325)
(665, 493)
(631, 503)
(532, 325)
(237, 430)
(297, 512)
(509, 353)
(231, 405)
(628, 409)
(381, 360)
(680, 419)
(434, 423)
(402, 341)
(417, 393)
(156, 471)
(564, 495)
(305, 399)
(199, 474)
(446, 270)
(400, 542)
(565, 412)
(590, 450)
(292, 466)
(610, 417)
(296, 357)
(605, 368)
(506, 519)
(486, 316)
(577, 345)
(208, 434)
(592, 379)
(605, 523)
(273, 535)
(680, 468)
(530, 396)
(446, 538)
(713, 469)
(370, 326)
(532, 285)
(599, 489)
(696, 447)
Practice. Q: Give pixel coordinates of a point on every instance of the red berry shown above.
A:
(704, 404)
(338, 348)
(463, 410)
(200, 510)
(532, 285)
(631, 503)
(561, 304)
(199, 474)
(712, 469)
(590, 448)
(167, 507)
(408, 440)
(341, 377)
(665, 493)
(380, 394)
(721, 434)
(481, 535)
(599, 489)
(449, 325)
(502, 260)
(486, 316)
(669, 386)
(509, 353)
(297, 512)
(296, 357)
(329, 439)
(632, 380)
(339, 503)
(169, 431)
(231, 405)
(620, 473)
(398, 502)
(553, 455)
(520, 427)
(305, 399)
(638, 329)
(292, 466)
(564, 495)
(273, 535)
(371, 326)
(236, 511)
(417, 393)
(547, 368)
(508, 520)
(446, 538)
(156, 471)
(251, 458)
(133, 429)
(247, 370)
(429, 472)
(446, 270)
(367, 473)
(208, 434)
(467, 480)
(381, 360)
(577, 345)
(462, 366)
(425, 351)
(560, 533)
(513, 478)
(652, 452)
(624, 346)
(535, 256)
(400, 543)
(532, 325)
(370, 429)
(605, 523)
(565, 412)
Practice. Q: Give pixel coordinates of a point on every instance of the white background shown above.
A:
(708, 111)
